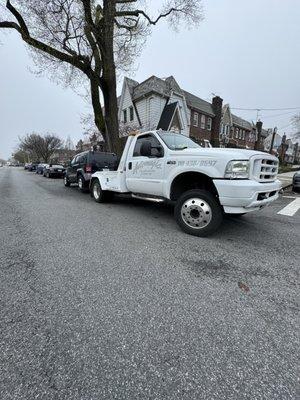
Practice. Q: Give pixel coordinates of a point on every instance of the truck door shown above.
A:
(145, 174)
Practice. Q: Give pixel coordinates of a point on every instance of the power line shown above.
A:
(277, 115)
(265, 109)
(286, 126)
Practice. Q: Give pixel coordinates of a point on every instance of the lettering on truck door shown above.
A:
(145, 174)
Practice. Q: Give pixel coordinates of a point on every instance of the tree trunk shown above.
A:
(98, 114)
(109, 81)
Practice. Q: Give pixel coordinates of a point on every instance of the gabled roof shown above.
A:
(242, 123)
(131, 84)
(199, 104)
(165, 87)
(150, 85)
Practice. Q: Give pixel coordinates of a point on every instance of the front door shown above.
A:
(145, 174)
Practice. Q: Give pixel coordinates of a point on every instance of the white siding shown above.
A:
(127, 103)
(184, 112)
(150, 110)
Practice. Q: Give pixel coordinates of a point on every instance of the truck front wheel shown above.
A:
(198, 213)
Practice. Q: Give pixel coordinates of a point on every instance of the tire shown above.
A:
(81, 183)
(99, 195)
(198, 213)
(66, 181)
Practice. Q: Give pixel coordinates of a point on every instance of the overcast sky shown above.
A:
(247, 52)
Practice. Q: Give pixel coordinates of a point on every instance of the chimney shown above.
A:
(217, 104)
(258, 145)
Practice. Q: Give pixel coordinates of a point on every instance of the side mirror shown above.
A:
(146, 149)
(160, 151)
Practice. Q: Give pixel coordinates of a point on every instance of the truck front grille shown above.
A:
(265, 169)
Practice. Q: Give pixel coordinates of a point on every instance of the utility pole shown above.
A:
(273, 138)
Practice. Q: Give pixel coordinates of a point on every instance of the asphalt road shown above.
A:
(115, 302)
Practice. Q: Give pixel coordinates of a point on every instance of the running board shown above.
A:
(143, 197)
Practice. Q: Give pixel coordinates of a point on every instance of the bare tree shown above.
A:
(40, 148)
(92, 37)
(79, 145)
(20, 156)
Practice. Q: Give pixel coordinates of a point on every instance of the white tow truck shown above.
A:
(204, 183)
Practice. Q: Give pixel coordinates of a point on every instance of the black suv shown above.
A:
(85, 164)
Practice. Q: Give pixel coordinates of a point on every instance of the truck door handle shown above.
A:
(130, 165)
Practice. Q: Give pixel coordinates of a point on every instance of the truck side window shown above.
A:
(156, 146)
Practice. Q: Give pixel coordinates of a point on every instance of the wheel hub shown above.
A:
(96, 191)
(196, 213)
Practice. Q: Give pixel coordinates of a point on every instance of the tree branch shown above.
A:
(137, 13)
(76, 60)
(18, 17)
(10, 25)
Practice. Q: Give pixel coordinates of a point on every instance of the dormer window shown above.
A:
(124, 116)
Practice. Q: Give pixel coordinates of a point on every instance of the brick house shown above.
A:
(161, 104)
(236, 131)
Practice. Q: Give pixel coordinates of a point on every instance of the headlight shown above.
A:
(237, 170)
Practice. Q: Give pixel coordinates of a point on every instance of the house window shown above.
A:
(240, 134)
(124, 116)
(209, 122)
(202, 121)
(131, 115)
(243, 135)
(195, 119)
(236, 133)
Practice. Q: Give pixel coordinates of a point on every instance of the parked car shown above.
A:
(32, 166)
(296, 181)
(40, 169)
(26, 165)
(53, 170)
(85, 164)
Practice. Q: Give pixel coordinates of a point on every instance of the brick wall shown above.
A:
(200, 124)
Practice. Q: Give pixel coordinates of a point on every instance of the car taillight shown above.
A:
(88, 168)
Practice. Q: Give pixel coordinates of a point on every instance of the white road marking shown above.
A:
(289, 197)
(291, 208)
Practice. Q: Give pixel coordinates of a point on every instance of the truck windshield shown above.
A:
(176, 141)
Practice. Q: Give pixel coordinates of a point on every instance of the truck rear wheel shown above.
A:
(99, 195)
(198, 213)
